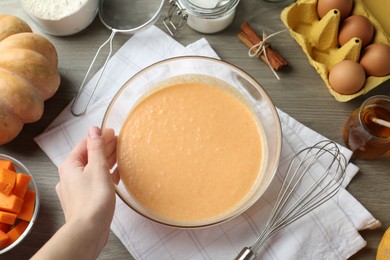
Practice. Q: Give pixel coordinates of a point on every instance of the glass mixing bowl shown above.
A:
(21, 168)
(159, 75)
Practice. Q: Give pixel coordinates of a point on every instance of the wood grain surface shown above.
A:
(300, 92)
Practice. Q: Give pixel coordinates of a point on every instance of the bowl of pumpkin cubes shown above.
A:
(19, 202)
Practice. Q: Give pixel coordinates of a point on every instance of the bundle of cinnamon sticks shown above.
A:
(250, 38)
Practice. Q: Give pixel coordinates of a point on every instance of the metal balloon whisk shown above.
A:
(314, 175)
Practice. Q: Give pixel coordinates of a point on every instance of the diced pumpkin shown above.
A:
(7, 181)
(5, 227)
(3, 239)
(7, 164)
(16, 232)
(21, 184)
(27, 209)
(10, 203)
(7, 217)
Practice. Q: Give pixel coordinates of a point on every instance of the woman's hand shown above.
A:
(86, 188)
(87, 195)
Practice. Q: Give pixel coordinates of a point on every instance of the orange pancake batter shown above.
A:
(190, 152)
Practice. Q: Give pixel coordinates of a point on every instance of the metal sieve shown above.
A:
(120, 16)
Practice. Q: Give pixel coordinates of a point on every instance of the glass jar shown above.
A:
(367, 131)
(205, 16)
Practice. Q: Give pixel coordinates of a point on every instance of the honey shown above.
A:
(363, 135)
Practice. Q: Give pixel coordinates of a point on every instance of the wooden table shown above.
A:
(301, 93)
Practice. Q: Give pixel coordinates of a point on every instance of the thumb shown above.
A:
(95, 145)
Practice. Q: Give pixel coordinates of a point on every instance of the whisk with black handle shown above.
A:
(314, 175)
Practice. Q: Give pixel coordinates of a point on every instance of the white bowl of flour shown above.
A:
(61, 17)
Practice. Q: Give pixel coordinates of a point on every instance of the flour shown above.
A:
(61, 17)
(53, 9)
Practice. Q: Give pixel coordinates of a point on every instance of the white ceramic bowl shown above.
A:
(145, 82)
(62, 25)
(21, 168)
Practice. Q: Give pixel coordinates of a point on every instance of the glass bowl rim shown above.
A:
(258, 87)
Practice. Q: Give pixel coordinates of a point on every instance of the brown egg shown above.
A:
(356, 26)
(344, 6)
(347, 77)
(376, 60)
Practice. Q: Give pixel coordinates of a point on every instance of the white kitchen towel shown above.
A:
(329, 232)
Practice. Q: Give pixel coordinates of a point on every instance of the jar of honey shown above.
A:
(367, 131)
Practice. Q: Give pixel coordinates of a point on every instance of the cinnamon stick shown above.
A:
(249, 37)
(244, 39)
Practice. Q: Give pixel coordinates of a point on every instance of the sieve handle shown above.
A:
(83, 98)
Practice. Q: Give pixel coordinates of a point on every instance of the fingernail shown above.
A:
(94, 132)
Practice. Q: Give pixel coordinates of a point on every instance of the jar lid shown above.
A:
(208, 8)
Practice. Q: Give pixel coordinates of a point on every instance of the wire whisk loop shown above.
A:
(314, 175)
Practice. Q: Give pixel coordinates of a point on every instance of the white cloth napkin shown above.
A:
(329, 232)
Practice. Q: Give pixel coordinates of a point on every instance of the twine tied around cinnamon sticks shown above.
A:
(261, 48)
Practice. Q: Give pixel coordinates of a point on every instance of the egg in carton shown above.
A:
(318, 38)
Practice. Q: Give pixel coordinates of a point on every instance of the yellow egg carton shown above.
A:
(319, 40)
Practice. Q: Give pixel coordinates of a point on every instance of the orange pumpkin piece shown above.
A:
(33, 67)
(6, 164)
(16, 232)
(7, 181)
(383, 252)
(3, 239)
(10, 203)
(5, 227)
(11, 127)
(7, 217)
(11, 25)
(20, 97)
(27, 210)
(21, 184)
(31, 41)
(28, 76)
